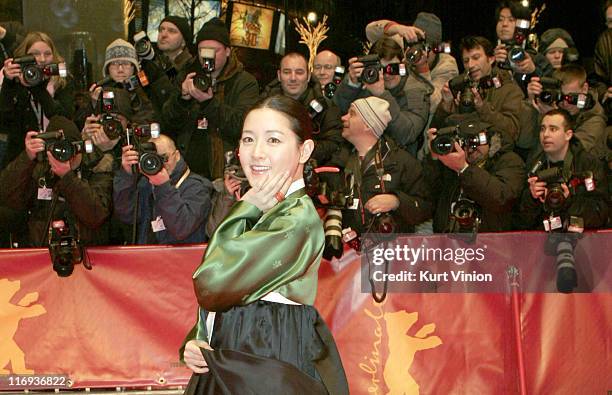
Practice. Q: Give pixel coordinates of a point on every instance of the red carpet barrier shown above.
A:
(121, 324)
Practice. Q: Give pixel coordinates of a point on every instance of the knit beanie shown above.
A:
(214, 29)
(120, 51)
(183, 26)
(555, 38)
(58, 122)
(431, 25)
(375, 113)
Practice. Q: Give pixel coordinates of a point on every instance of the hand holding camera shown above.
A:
(382, 203)
(355, 70)
(94, 131)
(189, 90)
(131, 158)
(11, 70)
(33, 145)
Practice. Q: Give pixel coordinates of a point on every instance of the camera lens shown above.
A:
(150, 163)
(516, 54)
(32, 75)
(443, 144)
(62, 150)
(370, 75)
(202, 82)
(112, 128)
(555, 197)
(330, 89)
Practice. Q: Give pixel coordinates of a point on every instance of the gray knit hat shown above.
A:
(431, 25)
(375, 113)
(120, 51)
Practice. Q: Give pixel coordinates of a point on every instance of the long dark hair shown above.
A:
(293, 110)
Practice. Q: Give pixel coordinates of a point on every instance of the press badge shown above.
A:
(386, 177)
(552, 223)
(45, 193)
(203, 124)
(158, 224)
(355, 204)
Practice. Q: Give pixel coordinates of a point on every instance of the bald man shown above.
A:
(324, 64)
(173, 205)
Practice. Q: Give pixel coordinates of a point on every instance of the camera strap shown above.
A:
(183, 178)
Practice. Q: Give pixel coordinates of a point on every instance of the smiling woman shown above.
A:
(258, 280)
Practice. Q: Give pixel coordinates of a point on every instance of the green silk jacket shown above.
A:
(252, 254)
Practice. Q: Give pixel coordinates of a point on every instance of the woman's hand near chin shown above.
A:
(264, 195)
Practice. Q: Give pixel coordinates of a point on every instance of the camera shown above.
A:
(465, 135)
(33, 74)
(330, 88)
(62, 149)
(143, 46)
(149, 161)
(464, 216)
(371, 67)
(462, 84)
(583, 101)
(553, 177)
(64, 248)
(516, 46)
(551, 90)
(415, 52)
(110, 122)
(561, 245)
(146, 130)
(316, 108)
(204, 80)
(333, 234)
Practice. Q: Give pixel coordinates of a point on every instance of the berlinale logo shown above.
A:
(401, 350)
(10, 315)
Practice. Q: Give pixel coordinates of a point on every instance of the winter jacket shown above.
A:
(203, 149)
(494, 186)
(591, 206)
(84, 199)
(402, 177)
(182, 205)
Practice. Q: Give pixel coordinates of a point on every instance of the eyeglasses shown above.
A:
(318, 67)
(118, 64)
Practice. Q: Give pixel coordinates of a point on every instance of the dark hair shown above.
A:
(571, 72)
(387, 48)
(469, 43)
(517, 10)
(567, 118)
(293, 110)
(294, 55)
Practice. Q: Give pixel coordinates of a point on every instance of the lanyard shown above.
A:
(183, 178)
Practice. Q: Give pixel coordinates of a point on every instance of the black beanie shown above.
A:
(58, 122)
(183, 25)
(214, 29)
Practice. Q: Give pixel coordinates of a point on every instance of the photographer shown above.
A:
(436, 67)
(387, 180)
(324, 65)
(474, 179)
(558, 47)
(26, 106)
(207, 123)
(51, 189)
(408, 97)
(293, 80)
(580, 182)
(173, 203)
(497, 105)
(174, 40)
(512, 28)
(122, 68)
(588, 115)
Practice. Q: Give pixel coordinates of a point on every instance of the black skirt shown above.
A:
(269, 348)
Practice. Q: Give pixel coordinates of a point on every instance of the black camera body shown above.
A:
(330, 88)
(110, 122)
(64, 248)
(371, 67)
(33, 74)
(516, 47)
(149, 161)
(462, 84)
(551, 90)
(62, 149)
(444, 142)
(135, 81)
(465, 216)
(204, 80)
(415, 52)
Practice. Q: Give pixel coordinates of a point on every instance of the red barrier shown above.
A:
(121, 324)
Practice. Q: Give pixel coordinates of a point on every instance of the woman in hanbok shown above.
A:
(257, 330)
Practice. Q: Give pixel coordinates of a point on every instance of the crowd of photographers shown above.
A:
(404, 142)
